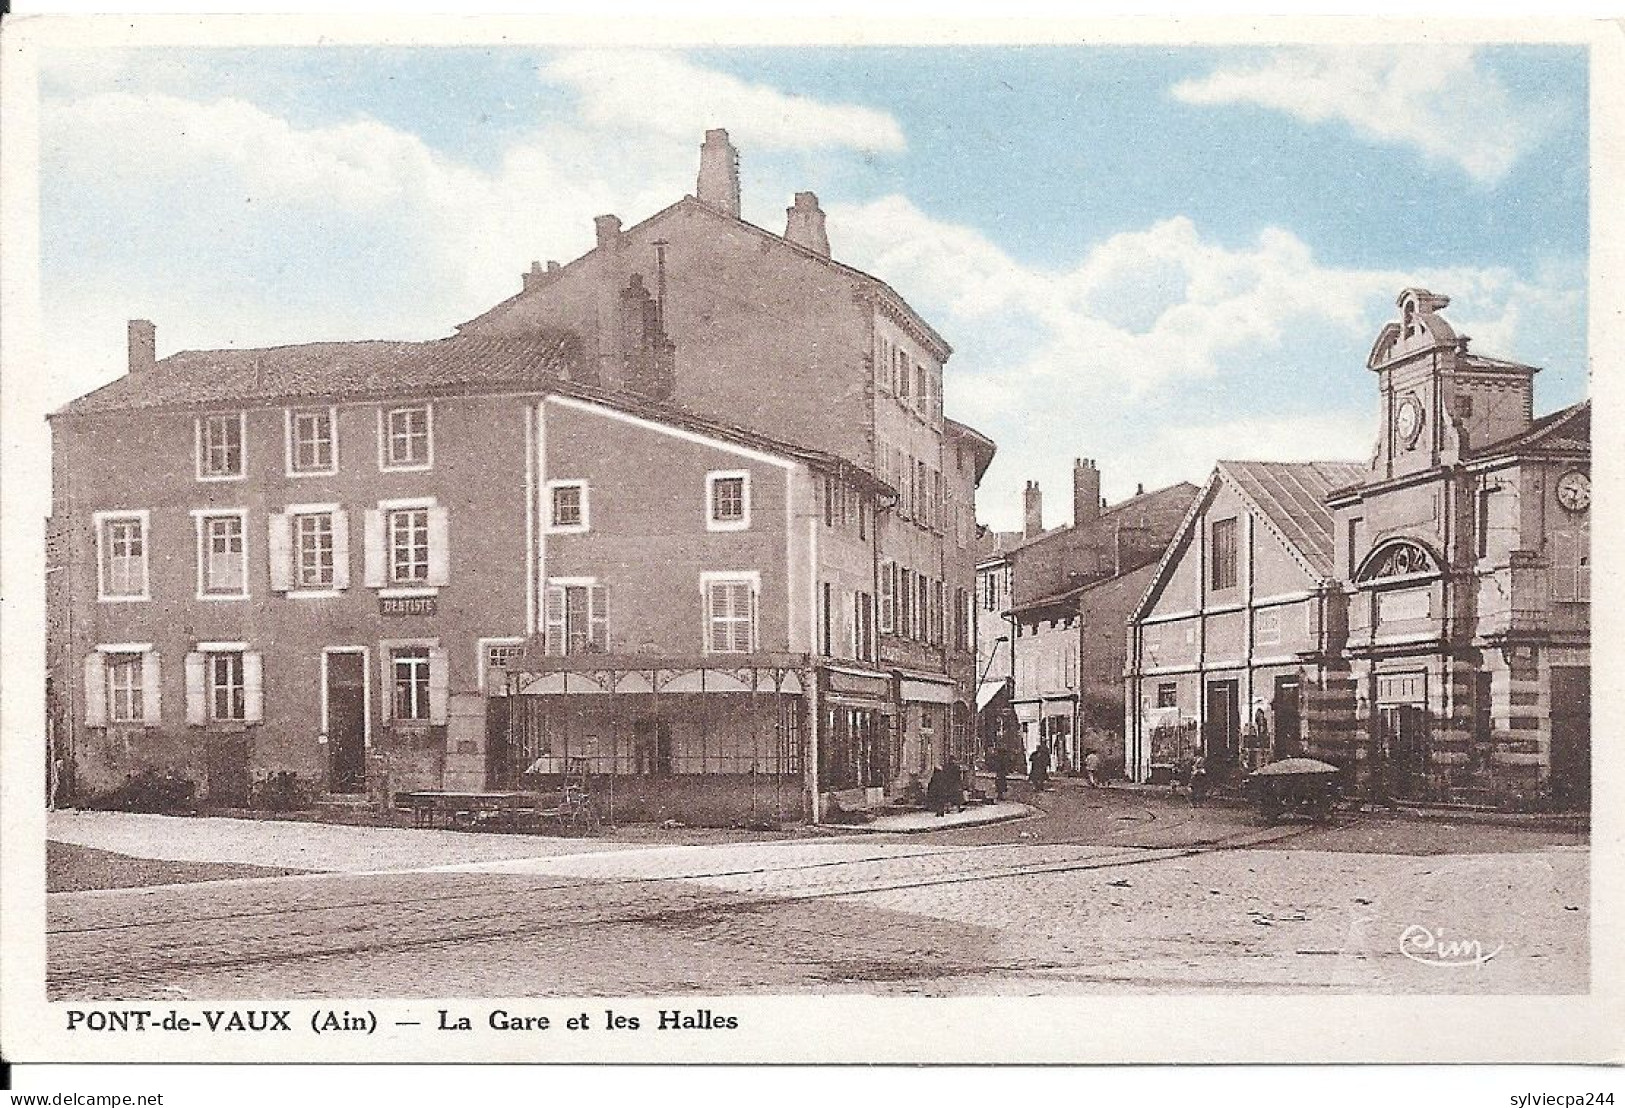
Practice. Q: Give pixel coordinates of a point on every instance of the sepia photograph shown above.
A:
(746, 524)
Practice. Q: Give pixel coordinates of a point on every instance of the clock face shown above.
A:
(1409, 420)
(1574, 491)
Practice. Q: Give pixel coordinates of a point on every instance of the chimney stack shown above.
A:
(609, 231)
(804, 224)
(1086, 502)
(718, 184)
(143, 345)
(1033, 507)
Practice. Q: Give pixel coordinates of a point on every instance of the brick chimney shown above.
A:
(1033, 511)
(609, 231)
(718, 184)
(649, 367)
(1085, 492)
(143, 345)
(804, 224)
(536, 276)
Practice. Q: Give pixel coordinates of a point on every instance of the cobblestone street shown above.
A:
(1104, 891)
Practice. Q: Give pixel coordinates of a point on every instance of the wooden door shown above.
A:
(1571, 736)
(347, 722)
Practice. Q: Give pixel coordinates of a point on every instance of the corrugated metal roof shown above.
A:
(1292, 497)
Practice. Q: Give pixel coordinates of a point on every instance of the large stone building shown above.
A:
(1444, 648)
(701, 474)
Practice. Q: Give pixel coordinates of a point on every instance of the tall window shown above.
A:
(888, 597)
(310, 441)
(408, 438)
(410, 678)
(220, 446)
(123, 555)
(227, 690)
(223, 556)
(730, 615)
(922, 607)
(863, 626)
(313, 550)
(408, 533)
(905, 608)
(1223, 554)
(577, 620)
(826, 611)
(727, 500)
(124, 701)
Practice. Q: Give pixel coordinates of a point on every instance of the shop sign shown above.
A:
(408, 605)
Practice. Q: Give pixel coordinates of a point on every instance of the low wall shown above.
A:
(701, 800)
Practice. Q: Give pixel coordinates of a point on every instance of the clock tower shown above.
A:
(1439, 400)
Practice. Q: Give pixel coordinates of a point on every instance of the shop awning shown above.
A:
(987, 691)
(927, 692)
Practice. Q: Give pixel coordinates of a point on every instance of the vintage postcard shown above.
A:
(849, 542)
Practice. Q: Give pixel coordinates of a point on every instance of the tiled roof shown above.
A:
(336, 370)
(1292, 498)
(1567, 429)
(1128, 510)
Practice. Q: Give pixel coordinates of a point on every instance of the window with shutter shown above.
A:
(576, 619)
(730, 615)
(888, 596)
(124, 688)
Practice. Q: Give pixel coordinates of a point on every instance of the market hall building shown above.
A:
(743, 521)
(1443, 649)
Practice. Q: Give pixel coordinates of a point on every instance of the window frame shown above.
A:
(484, 648)
(551, 489)
(100, 521)
(386, 438)
(291, 442)
(298, 584)
(135, 700)
(201, 518)
(201, 449)
(212, 688)
(753, 586)
(392, 579)
(742, 521)
(421, 659)
(1232, 561)
(1172, 689)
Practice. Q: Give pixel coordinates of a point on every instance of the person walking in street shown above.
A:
(1198, 780)
(1001, 771)
(1091, 769)
(1038, 767)
(945, 789)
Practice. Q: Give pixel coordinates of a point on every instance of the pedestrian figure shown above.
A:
(944, 789)
(1001, 771)
(1038, 767)
(1091, 769)
(1198, 779)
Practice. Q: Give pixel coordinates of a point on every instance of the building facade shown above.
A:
(371, 562)
(1444, 647)
(1242, 612)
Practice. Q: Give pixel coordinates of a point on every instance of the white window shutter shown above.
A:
(197, 691)
(553, 640)
(152, 686)
(341, 550)
(386, 693)
(439, 546)
(750, 628)
(439, 685)
(253, 687)
(598, 619)
(95, 690)
(373, 553)
(279, 550)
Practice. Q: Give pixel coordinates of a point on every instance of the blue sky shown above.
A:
(1150, 256)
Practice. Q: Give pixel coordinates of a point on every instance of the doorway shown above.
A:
(651, 747)
(1571, 736)
(1222, 742)
(1405, 754)
(1288, 721)
(346, 692)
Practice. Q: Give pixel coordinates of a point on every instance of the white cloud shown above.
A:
(1436, 99)
(666, 94)
(1164, 328)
